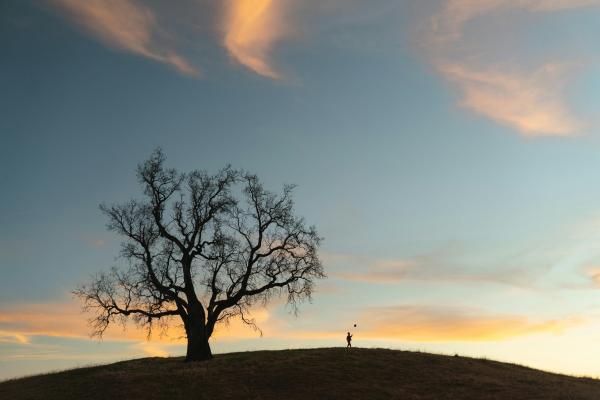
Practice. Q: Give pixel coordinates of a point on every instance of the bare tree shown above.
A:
(204, 248)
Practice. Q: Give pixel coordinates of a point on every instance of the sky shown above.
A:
(448, 151)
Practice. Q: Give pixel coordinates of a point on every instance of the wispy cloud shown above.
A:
(126, 25)
(252, 28)
(13, 337)
(593, 274)
(439, 323)
(152, 349)
(96, 243)
(64, 320)
(236, 329)
(20, 322)
(439, 266)
(447, 26)
(56, 319)
(57, 331)
(381, 271)
(424, 323)
(530, 100)
(565, 257)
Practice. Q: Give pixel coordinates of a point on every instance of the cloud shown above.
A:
(556, 5)
(443, 265)
(65, 320)
(59, 332)
(152, 349)
(236, 329)
(563, 257)
(424, 323)
(96, 243)
(56, 319)
(381, 271)
(252, 28)
(447, 26)
(593, 274)
(429, 323)
(13, 338)
(531, 100)
(126, 25)
(19, 322)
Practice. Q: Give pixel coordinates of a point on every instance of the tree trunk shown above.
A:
(198, 348)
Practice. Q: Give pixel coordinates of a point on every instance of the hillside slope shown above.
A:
(335, 373)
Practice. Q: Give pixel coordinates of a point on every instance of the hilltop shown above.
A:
(333, 373)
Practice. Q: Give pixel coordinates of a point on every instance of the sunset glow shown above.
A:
(446, 151)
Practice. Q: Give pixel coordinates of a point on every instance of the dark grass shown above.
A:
(334, 373)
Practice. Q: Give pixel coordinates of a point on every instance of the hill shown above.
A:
(334, 373)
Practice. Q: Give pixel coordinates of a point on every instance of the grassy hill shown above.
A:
(335, 373)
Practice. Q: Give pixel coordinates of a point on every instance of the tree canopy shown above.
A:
(203, 248)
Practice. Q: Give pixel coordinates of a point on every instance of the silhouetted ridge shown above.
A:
(334, 373)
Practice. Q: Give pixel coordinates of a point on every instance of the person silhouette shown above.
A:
(349, 339)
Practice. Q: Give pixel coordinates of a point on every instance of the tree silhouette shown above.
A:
(203, 248)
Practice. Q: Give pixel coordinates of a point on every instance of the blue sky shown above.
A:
(446, 150)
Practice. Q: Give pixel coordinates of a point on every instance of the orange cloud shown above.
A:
(529, 100)
(594, 275)
(440, 324)
(56, 319)
(126, 25)
(152, 349)
(13, 337)
(19, 322)
(532, 102)
(446, 324)
(405, 323)
(252, 27)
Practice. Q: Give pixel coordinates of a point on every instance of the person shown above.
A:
(349, 339)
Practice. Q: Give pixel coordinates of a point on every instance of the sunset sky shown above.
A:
(448, 151)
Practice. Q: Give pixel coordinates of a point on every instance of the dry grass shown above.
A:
(335, 373)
